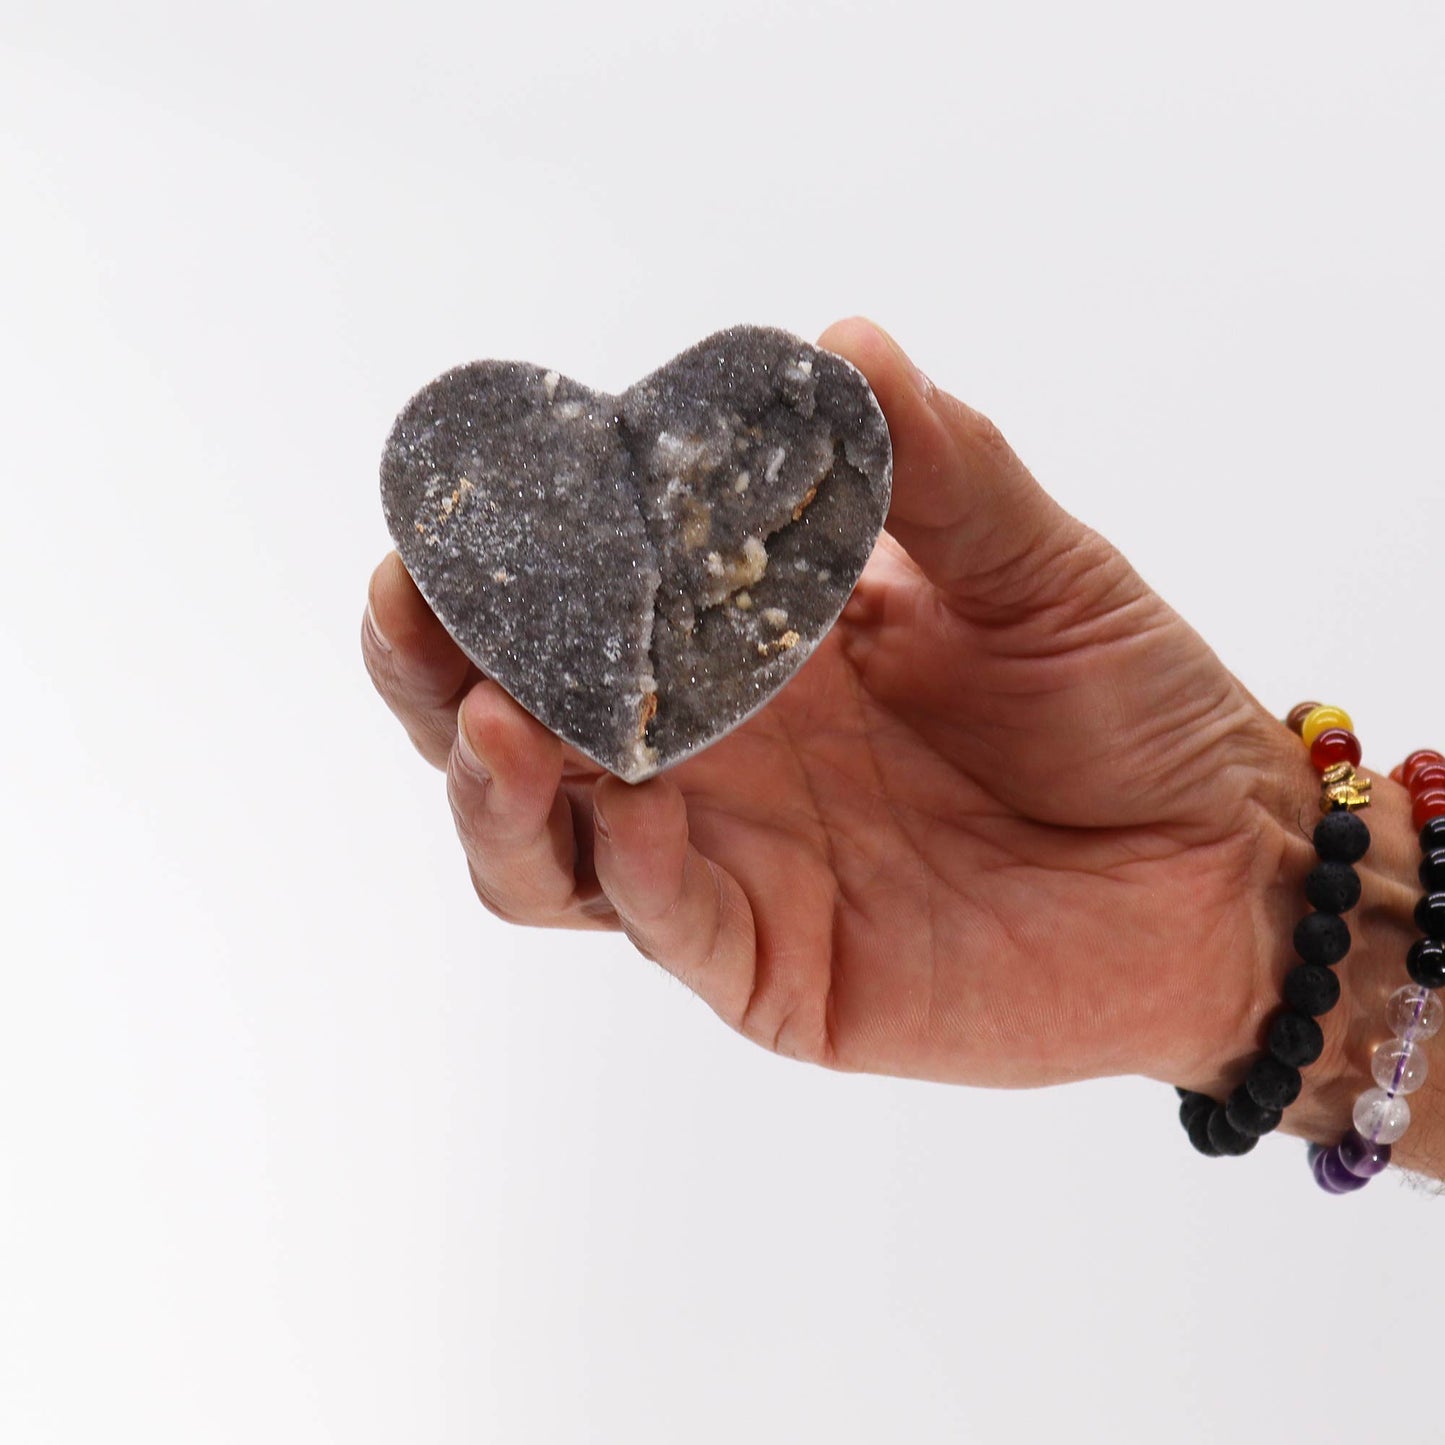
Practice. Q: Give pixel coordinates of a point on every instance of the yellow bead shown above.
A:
(1322, 718)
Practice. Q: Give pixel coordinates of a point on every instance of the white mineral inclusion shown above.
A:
(674, 455)
(740, 482)
(549, 383)
(775, 463)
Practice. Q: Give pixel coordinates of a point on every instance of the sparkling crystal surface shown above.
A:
(642, 571)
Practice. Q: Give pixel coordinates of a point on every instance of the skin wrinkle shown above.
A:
(925, 1025)
(700, 812)
(719, 911)
(1050, 866)
(1059, 567)
(977, 814)
(733, 902)
(488, 899)
(870, 740)
(585, 888)
(803, 752)
(1048, 688)
(1059, 668)
(830, 860)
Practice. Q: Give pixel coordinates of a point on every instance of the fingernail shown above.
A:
(467, 752)
(373, 627)
(599, 823)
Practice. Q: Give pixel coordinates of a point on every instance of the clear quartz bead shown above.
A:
(1379, 1117)
(1414, 1012)
(1399, 1066)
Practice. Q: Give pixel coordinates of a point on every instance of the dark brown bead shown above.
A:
(1297, 715)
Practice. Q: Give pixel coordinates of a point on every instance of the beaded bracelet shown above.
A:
(1414, 1013)
(1321, 939)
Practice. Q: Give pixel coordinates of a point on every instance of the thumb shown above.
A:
(965, 508)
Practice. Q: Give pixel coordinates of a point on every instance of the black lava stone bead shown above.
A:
(1322, 938)
(1432, 835)
(1341, 837)
(1226, 1138)
(1333, 887)
(1295, 1039)
(1311, 988)
(1271, 1084)
(1248, 1118)
(1426, 962)
(1191, 1105)
(1198, 1127)
(1430, 915)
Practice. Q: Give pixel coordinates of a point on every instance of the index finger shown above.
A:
(421, 674)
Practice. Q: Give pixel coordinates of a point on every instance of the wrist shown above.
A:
(1382, 928)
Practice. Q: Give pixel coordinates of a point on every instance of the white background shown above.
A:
(297, 1144)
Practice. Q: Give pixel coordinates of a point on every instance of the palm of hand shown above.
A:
(975, 854)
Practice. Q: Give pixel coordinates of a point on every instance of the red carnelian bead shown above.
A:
(1419, 759)
(1429, 805)
(1397, 773)
(1427, 777)
(1334, 745)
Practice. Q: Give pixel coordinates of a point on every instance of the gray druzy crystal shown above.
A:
(641, 572)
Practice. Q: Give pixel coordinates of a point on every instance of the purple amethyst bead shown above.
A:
(1332, 1176)
(1333, 1171)
(1362, 1157)
(1317, 1169)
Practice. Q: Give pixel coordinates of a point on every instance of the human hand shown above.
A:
(1013, 823)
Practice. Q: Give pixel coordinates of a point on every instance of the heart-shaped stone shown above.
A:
(642, 572)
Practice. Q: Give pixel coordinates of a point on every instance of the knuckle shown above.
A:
(638, 938)
(986, 437)
(378, 663)
(503, 909)
(467, 798)
(979, 432)
(791, 1025)
(434, 743)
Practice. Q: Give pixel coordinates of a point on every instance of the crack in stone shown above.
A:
(738, 576)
